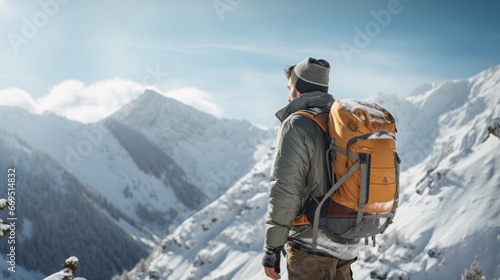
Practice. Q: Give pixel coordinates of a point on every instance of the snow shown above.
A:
(71, 260)
(387, 135)
(3, 227)
(448, 209)
(356, 107)
(219, 240)
(59, 276)
(3, 203)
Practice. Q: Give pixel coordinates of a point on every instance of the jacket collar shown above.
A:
(306, 100)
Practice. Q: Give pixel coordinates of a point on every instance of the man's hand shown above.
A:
(271, 262)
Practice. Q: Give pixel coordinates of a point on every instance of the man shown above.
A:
(299, 170)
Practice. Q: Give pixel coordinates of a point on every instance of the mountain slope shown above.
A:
(214, 153)
(57, 218)
(448, 140)
(222, 239)
(129, 180)
(152, 160)
(156, 182)
(94, 156)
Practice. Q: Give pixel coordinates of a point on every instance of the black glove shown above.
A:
(272, 258)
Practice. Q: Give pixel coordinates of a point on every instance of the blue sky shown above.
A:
(84, 59)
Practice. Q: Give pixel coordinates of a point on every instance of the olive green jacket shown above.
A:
(299, 169)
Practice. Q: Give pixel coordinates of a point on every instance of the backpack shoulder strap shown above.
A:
(318, 116)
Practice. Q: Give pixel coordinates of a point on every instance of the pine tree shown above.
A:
(4, 228)
(69, 268)
(475, 273)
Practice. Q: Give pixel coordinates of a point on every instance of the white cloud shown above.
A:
(199, 99)
(73, 100)
(76, 101)
(19, 98)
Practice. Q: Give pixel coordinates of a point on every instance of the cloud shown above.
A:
(196, 98)
(19, 98)
(74, 100)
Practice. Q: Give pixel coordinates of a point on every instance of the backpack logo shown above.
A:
(363, 198)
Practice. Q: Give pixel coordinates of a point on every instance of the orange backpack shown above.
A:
(365, 171)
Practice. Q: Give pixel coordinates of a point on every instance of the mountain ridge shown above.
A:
(137, 184)
(195, 128)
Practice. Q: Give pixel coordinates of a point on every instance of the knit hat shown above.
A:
(311, 75)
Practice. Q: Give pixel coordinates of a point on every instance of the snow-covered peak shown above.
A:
(441, 95)
(450, 93)
(492, 73)
(420, 89)
(213, 152)
(151, 107)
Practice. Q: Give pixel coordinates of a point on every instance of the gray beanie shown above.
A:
(311, 75)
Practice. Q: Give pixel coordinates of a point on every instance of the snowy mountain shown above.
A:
(222, 241)
(449, 142)
(148, 167)
(213, 153)
(57, 216)
(149, 155)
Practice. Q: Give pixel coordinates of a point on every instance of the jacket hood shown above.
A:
(306, 100)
